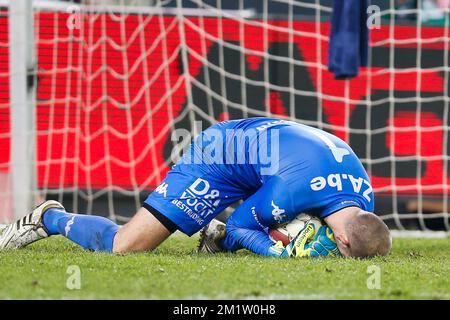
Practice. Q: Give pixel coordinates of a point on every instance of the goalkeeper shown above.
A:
(279, 168)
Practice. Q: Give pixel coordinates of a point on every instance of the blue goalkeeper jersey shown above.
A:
(308, 170)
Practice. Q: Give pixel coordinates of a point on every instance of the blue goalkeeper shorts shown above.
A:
(193, 193)
(187, 200)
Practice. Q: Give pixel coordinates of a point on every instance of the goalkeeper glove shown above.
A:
(296, 247)
(276, 250)
(308, 243)
(323, 244)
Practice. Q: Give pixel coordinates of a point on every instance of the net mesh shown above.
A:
(117, 78)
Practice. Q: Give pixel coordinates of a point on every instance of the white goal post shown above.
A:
(113, 79)
(22, 65)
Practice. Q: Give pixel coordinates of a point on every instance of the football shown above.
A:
(287, 231)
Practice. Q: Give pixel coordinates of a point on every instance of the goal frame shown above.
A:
(22, 66)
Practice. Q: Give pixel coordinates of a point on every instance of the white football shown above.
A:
(287, 231)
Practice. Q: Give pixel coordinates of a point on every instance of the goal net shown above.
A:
(115, 80)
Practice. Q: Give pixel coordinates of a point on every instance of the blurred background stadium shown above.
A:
(91, 91)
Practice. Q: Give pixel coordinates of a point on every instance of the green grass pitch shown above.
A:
(416, 269)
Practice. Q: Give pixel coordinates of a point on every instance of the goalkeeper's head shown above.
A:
(361, 234)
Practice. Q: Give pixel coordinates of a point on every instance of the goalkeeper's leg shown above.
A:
(143, 232)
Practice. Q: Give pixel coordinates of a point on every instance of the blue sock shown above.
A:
(91, 232)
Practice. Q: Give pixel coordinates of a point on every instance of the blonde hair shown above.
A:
(368, 236)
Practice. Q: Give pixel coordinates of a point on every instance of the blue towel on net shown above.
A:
(349, 38)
